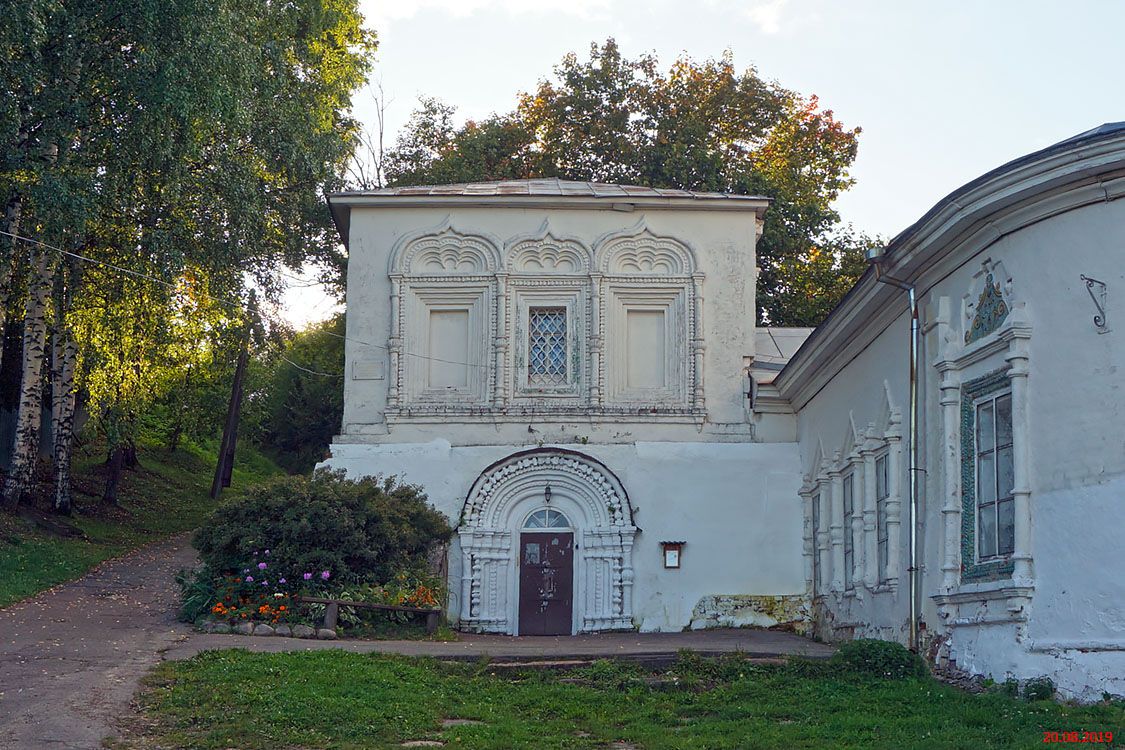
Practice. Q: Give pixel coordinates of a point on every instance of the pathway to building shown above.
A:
(73, 656)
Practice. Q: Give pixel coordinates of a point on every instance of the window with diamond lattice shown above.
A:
(546, 348)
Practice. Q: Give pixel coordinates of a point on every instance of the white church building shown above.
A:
(573, 373)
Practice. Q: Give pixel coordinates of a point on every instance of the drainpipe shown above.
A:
(876, 258)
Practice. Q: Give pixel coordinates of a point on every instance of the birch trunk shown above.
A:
(12, 215)
(64, 393)
(25, 448)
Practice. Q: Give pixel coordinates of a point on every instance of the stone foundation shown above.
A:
(789, 612)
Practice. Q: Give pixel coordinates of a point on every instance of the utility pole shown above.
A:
(225, 465)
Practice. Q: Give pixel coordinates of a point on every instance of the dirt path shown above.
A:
(72, 656)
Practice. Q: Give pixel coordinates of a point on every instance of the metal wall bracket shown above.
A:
(1097, 290)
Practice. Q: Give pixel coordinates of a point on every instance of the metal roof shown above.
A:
(550, 187)
(904, 238)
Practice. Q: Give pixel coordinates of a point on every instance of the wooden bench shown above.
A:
(332, 610)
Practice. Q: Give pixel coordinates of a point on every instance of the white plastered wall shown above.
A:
(735, 505)
(1072, 628)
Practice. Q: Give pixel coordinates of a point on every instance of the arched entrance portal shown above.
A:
(521, 501)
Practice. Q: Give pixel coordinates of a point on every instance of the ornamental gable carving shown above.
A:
(547, 254)
(446, 251)
(987, 304)
(639, 252)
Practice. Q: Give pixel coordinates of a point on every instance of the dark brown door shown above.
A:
(546, 583)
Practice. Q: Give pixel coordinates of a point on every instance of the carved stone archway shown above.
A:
(598, 507)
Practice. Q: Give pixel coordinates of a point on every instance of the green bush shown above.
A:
(351, 531)
(882, 658)
(1039, 689)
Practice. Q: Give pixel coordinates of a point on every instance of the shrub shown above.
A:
(882, 658)
(1039, 689)
(353, 531)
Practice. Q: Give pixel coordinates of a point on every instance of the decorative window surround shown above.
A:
(640, 271)
(836, 523)
(853, 527)
(571, 297)
(628, 270)
(811, 520)
(988, 603)
(1008, 346)
(422, 302)
(824, 546)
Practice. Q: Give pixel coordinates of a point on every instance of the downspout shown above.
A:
(915, 370)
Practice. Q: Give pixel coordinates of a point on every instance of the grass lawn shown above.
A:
(332, 699)
(167, 493)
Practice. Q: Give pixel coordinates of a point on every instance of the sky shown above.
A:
(943, 91)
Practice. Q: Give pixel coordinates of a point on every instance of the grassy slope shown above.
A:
(166, 494)
(332, 699)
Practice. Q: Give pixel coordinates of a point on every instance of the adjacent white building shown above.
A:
(1020, 502)
(573, 373)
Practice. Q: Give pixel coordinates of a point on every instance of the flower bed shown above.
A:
(321, 537)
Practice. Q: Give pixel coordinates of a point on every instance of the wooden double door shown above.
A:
(546, 583)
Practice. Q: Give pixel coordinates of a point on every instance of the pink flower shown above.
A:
(324, 575)
(249, 579)
(261, 566)
(308, 576)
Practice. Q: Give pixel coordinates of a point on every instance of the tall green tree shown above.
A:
(187, 142)
(304, 401)
(700, 125)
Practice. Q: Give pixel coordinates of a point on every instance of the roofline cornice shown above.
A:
(614, 203)
(961, 225)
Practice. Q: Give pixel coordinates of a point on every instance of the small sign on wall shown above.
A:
(673, 552)
(372, 370)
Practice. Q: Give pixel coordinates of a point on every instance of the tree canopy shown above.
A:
(700, 125)
(175, 154)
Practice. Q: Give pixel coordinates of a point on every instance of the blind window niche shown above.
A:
(448, 349)
(646, 337)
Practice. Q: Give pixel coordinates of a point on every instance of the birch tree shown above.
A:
(194, 137)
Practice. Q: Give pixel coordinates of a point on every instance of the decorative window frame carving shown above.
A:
(634, 266)
(545, 253)
(638, 269)
(476, 300)
(570, 295)
(824, 546)
(672, 302)
(997, 359)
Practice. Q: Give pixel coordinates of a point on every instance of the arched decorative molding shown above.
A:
(444, 250)
(544, 252)
(640, 252)
(598, 507)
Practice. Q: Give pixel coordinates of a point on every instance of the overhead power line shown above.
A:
(240, 306)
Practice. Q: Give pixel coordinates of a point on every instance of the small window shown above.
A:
(849, 542)
(546, 346)
(882, 492)
(994, 478)
(816, 561)
(547, 518)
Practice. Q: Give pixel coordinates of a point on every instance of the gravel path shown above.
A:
(73, 656)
